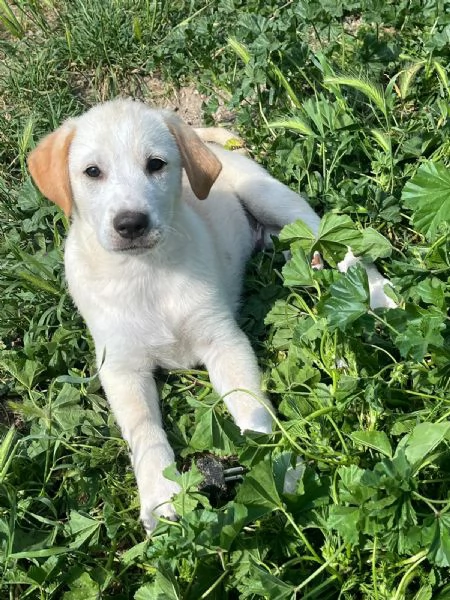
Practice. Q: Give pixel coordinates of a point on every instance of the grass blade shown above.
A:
(285, 84)
(239, 49)
(10, 21)
(442, 74)
(6, 452)
(407, 77)
(370, 90)
(296, 124)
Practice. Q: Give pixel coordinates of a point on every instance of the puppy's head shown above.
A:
(118, 167)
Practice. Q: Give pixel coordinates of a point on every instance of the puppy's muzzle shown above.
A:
(131, 225)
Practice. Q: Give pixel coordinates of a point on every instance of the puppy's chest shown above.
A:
(163, 331)
(153, 318)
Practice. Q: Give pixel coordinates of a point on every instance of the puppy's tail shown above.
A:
(222, 137)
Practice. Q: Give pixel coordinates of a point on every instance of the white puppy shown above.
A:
(154, 260)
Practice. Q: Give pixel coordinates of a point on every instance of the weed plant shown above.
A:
(346, 102)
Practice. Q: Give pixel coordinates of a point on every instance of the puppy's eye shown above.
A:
(93, 171)
(155, 164)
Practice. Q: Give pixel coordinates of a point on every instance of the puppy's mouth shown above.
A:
(135, 250)
(139, 245)
(147, 245)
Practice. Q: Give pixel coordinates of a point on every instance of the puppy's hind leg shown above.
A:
(274, 205)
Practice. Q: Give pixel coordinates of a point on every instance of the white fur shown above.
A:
(168, 299)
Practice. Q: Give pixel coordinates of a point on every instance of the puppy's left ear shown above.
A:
(201, 165)
(48, 165)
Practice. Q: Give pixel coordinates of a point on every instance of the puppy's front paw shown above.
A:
(258, 420)
(155, 502)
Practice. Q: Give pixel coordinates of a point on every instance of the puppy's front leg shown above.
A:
(134, 400)
(234, 374)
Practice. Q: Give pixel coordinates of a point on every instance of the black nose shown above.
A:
(131, 225)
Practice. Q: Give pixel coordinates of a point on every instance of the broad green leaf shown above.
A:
(297, 271)
(344, 519)
(373, 244)
(149, 591)
(69, 419)
(291, 372)
(188, 497)
(298, 232)
(266, 585)
(112, 518)
(258, 492)
(230, 524)
(25, 371)
(213, 431)
(425, 593)
(134, 553)
(351, 488)
(336, 234)
(427, 194)
(308, 330)
(402, 427)
(284, 316)
(82, 528)
(439, 552)
(288, 471)
(377, 440)
(432, 291)
(165, 586)
(349, 299)
(83, 588)
(421, 331)
(423, 439)
(73, 379)
(38, 574)
(68, 396)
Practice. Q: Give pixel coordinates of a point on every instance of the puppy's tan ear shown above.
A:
(48, 165)
(201, 165)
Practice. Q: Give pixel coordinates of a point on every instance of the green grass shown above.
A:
(348, 102)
